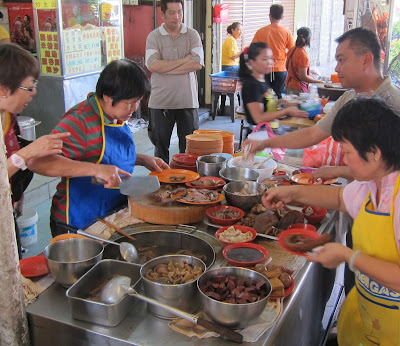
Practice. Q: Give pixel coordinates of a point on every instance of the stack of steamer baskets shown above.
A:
(227, 139)
(184, 161)
(204, 143)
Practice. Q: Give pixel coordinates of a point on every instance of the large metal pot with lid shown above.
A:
(28, 125)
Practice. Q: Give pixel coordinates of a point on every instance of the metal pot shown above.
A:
(210, 165)
(237, 199)
(69, 259)
(28, 125)
(182, 296)
(233, 315)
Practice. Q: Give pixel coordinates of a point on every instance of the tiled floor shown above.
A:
(42, 188)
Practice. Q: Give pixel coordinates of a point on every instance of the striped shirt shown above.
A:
(356, 192)
(85, 143)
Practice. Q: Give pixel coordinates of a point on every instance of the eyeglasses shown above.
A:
(35, 84)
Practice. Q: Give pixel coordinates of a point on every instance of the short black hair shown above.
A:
(123, 80)
(16, 64)
(303, 37)
(362, 41)
(276, 11)
(251, 54)
(231, 27)
(370, 124)
(164, 4)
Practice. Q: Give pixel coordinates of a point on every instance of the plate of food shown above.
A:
(301, 242)
(201, 197)
(176, 176)
(303, 179)
(211, 183)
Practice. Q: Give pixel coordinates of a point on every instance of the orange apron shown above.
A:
(371, 313)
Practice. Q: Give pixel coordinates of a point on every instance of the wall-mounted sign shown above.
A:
(49, 53)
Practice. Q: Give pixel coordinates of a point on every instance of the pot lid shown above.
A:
(26, 121)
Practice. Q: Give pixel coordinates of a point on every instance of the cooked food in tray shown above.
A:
(176, 178)
(228, 289)
(278, 276)
(174, 273)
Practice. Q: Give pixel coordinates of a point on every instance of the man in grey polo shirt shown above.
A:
(174, 53)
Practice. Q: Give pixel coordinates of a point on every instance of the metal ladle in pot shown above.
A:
(117, 287)
(127, 250)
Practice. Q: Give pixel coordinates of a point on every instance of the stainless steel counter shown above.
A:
(306, 316)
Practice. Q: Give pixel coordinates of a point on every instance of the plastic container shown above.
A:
(27, 227)
(272, 106)
(260, 136)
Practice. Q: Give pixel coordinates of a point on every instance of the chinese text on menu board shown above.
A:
(82, 50)
(113, 44)
(49, 53)
(45, 4)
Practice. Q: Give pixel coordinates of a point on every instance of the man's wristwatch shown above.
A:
(18, 161)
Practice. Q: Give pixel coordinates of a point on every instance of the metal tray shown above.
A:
(108, 315)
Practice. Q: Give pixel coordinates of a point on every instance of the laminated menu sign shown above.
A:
(91, 42)
(49, 53)
(113, 43)
(73, 51)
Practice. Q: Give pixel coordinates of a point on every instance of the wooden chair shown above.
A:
(243, 127)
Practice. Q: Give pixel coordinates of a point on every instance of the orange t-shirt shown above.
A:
(298, 59)
(279, 39)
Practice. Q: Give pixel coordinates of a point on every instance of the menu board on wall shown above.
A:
(49, 53)
(45, 4)
(113, 43)
(91, 43)
(73, 53)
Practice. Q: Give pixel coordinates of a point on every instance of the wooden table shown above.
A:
(296, 122)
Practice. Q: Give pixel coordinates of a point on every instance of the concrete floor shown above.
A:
(39, 193)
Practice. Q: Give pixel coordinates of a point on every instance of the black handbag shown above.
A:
(21, 179)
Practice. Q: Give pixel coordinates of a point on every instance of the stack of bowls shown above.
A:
(184, 161)
(227, 138)
(204, 144)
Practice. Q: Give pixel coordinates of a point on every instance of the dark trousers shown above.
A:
(161, 124)
(19, 247)
(277, 81)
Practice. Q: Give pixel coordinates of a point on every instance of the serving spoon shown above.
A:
(117, 287)
(127, 250)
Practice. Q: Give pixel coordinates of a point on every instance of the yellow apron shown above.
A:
(371, 313)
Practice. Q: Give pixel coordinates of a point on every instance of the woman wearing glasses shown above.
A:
(18, 73)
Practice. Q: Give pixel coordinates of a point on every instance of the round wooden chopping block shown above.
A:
(149, 210)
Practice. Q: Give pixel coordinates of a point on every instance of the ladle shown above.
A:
(128, 251)
(117, 287)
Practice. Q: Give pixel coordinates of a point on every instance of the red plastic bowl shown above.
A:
(317, 217)
(238, 251)
(243, 229)
(223, 222)
(305, 226)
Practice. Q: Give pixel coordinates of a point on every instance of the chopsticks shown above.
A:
(261, 162)
(115, 228)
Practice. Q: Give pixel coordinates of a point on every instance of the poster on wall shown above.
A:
(113, 43)
(22, 30)
(49, 53)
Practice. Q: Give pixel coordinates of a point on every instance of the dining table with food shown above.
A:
(207, 262)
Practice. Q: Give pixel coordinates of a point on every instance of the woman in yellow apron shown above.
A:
(371, 312)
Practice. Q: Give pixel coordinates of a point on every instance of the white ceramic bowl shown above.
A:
(265, 172)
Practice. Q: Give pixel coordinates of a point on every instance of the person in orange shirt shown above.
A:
(298, 65)
(280, 40)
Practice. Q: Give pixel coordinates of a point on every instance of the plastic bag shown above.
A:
(277, 153)
(326, 153)
(334, 154)
(313, 156)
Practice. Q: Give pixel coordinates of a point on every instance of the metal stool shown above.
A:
(243, 127)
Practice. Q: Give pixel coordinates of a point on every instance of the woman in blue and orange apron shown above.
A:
(100, 145)
(370, 314)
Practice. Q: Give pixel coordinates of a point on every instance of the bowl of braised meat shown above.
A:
(233, 296)
(224, 215)
(314, 215)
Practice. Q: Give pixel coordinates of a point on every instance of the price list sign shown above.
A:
(73, 51)
(49, 53)
(91, 42)
(113, 43)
